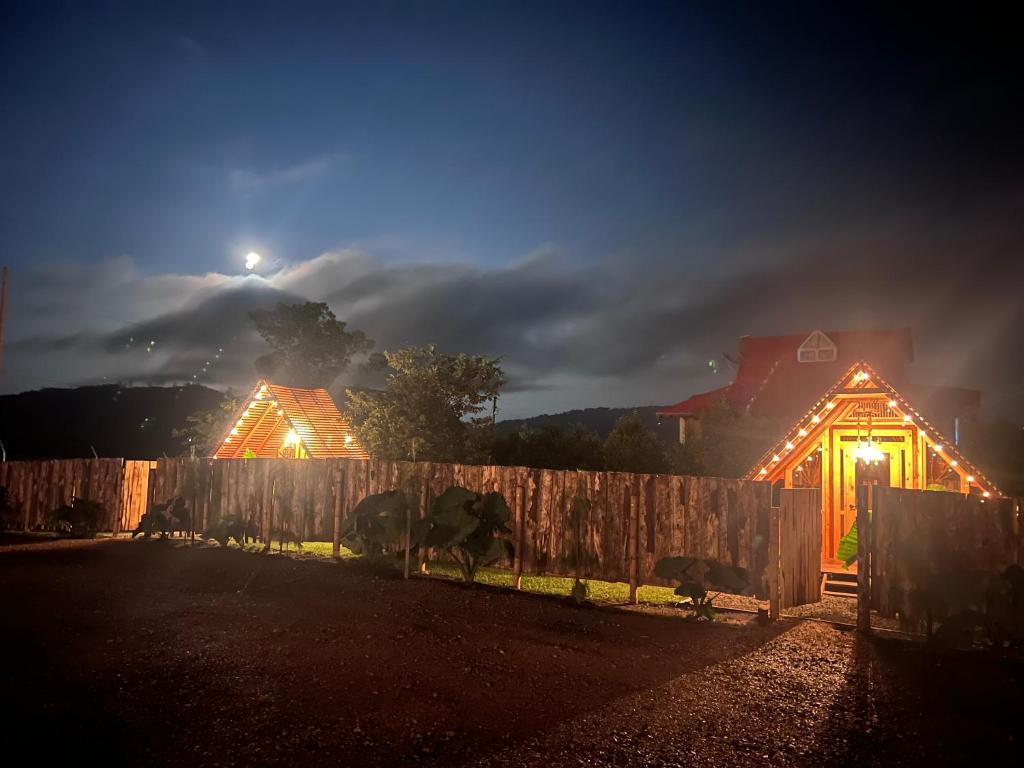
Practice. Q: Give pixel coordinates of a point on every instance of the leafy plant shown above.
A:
(846, 553)
(79, 519)
(227, 528)
(164, 518)
(377, 522)
(695, 576)
(469, 526)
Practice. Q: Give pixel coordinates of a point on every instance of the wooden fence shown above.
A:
(794, 570)
(934, 552)
(36, 488)
(633, 521)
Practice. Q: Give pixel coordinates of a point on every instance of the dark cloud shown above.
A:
(629, 330)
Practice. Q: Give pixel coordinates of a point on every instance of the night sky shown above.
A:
(605, 194)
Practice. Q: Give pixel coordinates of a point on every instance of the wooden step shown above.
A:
(839, 584)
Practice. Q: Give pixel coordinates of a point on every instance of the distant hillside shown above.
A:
(601, 420)
(122, 422)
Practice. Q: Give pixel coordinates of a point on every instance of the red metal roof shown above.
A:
(263, 422)
(771, 381)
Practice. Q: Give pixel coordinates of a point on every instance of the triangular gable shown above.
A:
(862, 378)
(273, 416)
(817, 348)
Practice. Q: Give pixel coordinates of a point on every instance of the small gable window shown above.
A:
(817, 348)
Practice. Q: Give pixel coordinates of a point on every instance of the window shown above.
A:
(817, 348)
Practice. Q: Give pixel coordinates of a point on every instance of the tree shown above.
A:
(205, 428)
(631, 447)
(727, 444)
(431, 407)
(310, 347)
(550, 447)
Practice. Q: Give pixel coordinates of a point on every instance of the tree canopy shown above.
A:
(726, 444)
(632, 447)
(309, 346)
(204, 428)
(434, 406)
(550, 447)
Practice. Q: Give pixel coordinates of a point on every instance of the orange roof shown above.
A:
(271, 411)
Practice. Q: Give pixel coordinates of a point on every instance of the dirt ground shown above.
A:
(154, 653)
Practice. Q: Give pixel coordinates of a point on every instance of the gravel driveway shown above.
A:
(152, 653)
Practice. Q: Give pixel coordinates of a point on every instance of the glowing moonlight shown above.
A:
(251, 260)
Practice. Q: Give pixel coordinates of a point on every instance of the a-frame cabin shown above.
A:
(289, 422)
(862, 431)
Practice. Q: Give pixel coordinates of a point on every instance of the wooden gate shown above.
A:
(795, 549)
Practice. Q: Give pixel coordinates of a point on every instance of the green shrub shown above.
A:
(79, 519)
(469, 526)
(164, 518)
(377, 523)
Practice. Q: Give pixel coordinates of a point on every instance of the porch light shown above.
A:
(867, 451)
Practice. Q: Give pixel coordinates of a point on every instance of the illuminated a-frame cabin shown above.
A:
(862, 431)
(289, 422)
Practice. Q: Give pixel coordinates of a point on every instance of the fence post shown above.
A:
(408, 523)
(865, 504)
(517, 563)
(633, 541)
(774, 564)
(336, 535)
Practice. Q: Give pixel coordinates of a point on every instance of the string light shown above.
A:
(802, 432)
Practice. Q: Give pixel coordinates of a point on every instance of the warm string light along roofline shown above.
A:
(910, 417)
(292, 438)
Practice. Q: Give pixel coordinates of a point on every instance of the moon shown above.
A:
(251, 260)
